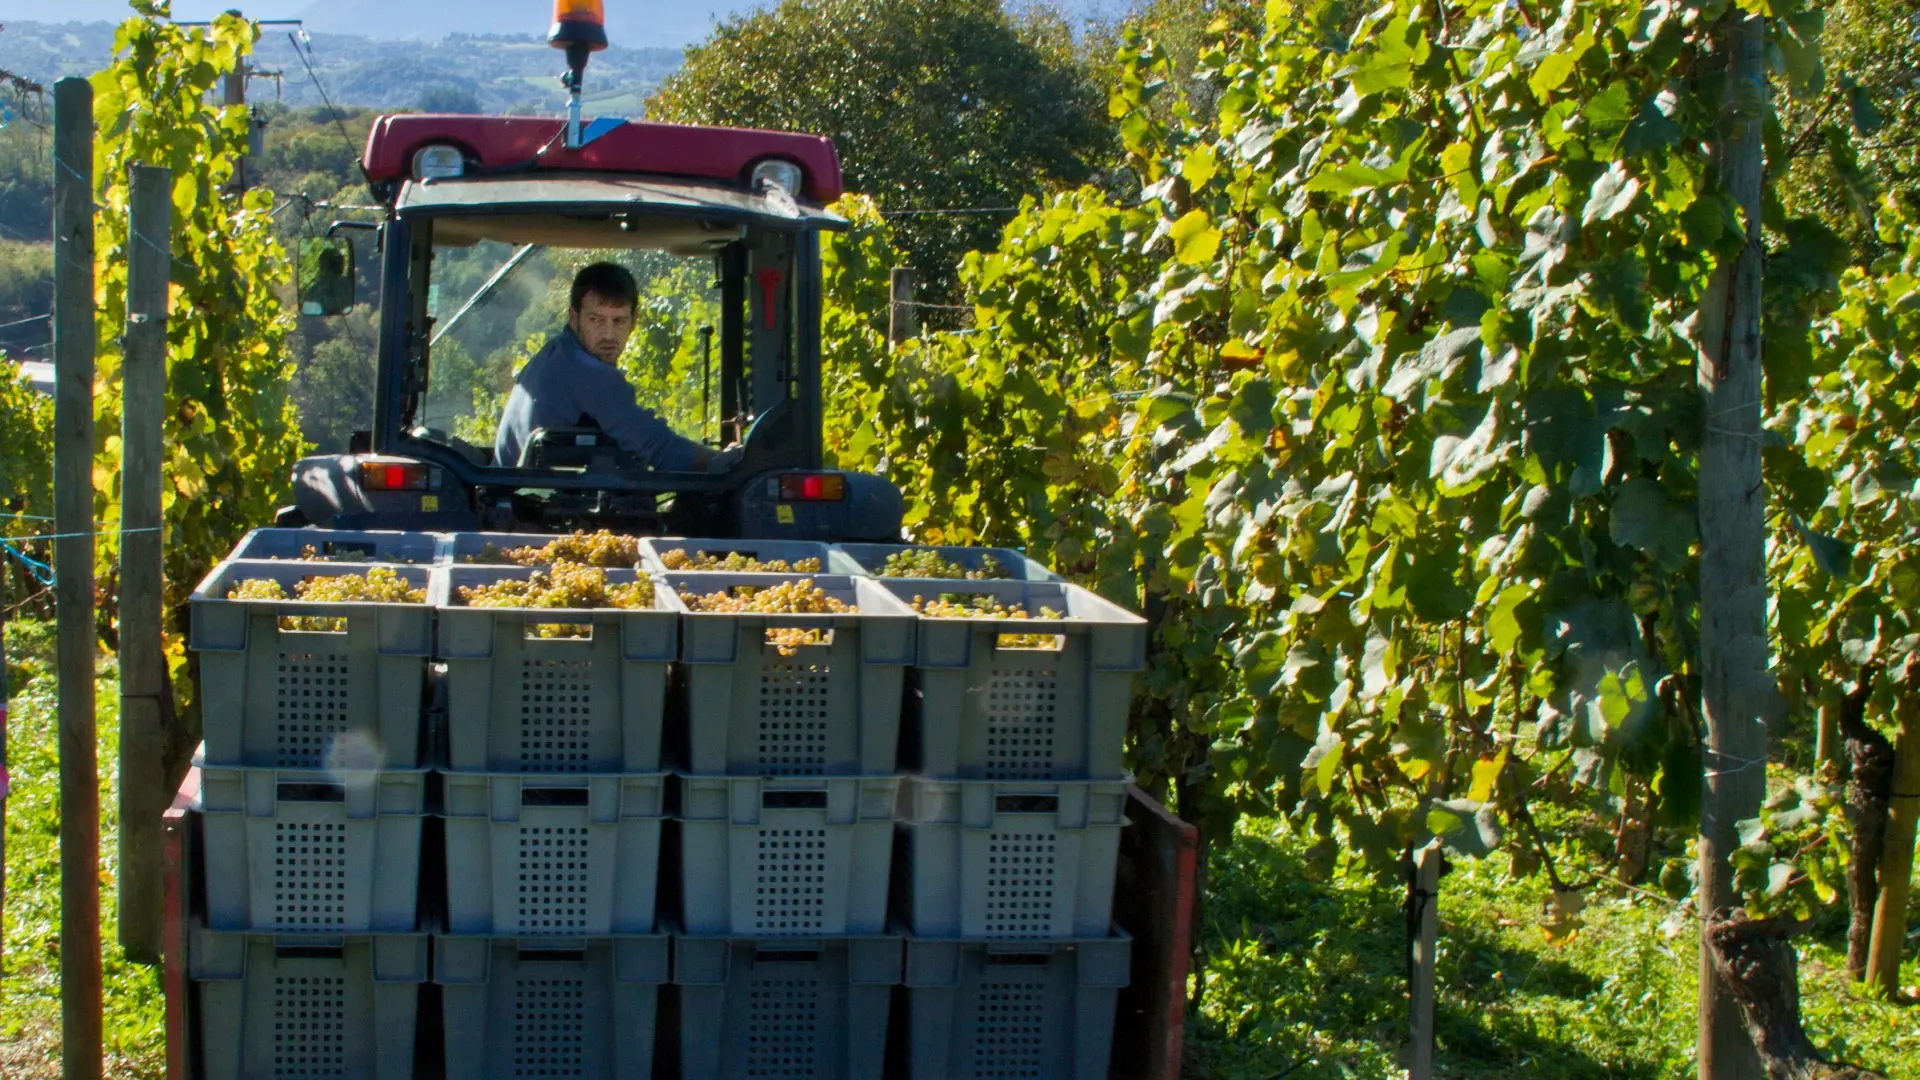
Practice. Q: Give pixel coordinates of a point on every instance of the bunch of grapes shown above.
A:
(736, 561)
(983, 606)
(928, 563)
(601, 548)
(563, 585)
(379, 585)
(786, 598)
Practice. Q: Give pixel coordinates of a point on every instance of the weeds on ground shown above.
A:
(134, 1035)
(1306, 979)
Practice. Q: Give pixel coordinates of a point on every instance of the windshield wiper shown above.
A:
(490, 284)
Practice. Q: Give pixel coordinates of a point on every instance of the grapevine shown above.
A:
(983, 606)
(928, 563)
(737, 561)
(786, 598)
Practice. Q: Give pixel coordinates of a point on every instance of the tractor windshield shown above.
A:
(494, 304)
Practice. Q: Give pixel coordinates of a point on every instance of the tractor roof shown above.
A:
(503, 142)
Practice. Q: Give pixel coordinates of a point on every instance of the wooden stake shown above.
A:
(73, 345)
(142, 655)
(1737, 689)
(1896, 854)
(6, 777)
(1423, 974)
(902, 322)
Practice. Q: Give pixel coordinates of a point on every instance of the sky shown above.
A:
(632, 23)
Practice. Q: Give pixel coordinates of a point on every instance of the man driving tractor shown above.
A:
(575, 381)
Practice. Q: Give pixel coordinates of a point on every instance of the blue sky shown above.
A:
(629, 22)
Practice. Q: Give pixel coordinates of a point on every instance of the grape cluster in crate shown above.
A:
(556, 790)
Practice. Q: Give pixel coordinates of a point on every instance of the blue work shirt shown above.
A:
(563, 386)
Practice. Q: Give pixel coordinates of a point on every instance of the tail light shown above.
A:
(813, 487)
(394, 474)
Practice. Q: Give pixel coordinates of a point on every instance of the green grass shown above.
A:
(30, 987)
(1307, 980)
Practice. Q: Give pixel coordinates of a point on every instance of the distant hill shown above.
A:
(637, 23)
(459, 72)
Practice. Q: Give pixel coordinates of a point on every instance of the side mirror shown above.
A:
(326, 276)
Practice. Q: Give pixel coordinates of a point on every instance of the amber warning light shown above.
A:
(578, 24)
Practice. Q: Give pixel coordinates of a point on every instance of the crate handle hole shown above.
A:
(313, 624)
(1025, 959)
(310, 792)
(559, 631)
(1026, 804)
(786, 956)
(553, 796)
(553, 956)
(793, 800)
(788, 638)
(309, 952)
(1031, 642)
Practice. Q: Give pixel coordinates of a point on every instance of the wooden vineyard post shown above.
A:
(6, 777)
(73, 348)
(1896, 855)
(902, 323)
(1737, 688)
(142, 656)
(1424, 920)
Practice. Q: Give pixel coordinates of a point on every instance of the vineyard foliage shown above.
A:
(1382, 403)
(231, 432)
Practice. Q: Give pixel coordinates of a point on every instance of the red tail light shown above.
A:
(813, 487)
(393, 475)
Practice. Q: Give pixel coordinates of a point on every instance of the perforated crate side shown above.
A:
(1016, 565)
(1013, 1010)
(552, 855)
(296, 1007)
(762, 708)
(517, 701)
(344, 546)
(990, 712)
(653, 551)
(785, 857)
(800, 1009)
(550, 1007)
(298, 699)
(302, 850)
(1010, 861)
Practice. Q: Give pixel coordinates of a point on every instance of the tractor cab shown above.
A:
(720, 227)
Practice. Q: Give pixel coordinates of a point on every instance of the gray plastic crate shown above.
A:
(654, 548)
(765, 857)
(1014, 564)
(561, 855)
(295, 1007)
(993, 860)
(520, 702)
(298, 699)
(550, 1007)
(784, 1008)
(1026, 1009)
(763, 709)
(466, 548)
(309, 850)
(1003, 713)
(340, 546)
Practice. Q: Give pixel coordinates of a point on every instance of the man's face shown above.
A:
(602, 325)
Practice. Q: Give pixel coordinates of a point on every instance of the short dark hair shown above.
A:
(608, 281)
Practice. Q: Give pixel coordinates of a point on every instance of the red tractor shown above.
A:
(747, 208)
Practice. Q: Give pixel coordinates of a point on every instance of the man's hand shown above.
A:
(724, 460)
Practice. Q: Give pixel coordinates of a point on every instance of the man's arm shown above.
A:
(610, 401)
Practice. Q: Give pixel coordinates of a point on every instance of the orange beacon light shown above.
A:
(578, 24)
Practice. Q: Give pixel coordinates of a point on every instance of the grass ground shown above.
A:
(30, 985)
(1307, 980)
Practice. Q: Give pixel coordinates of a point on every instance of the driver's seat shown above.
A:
(570, 448)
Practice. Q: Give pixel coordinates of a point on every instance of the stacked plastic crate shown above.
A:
(1011, 817)
(309, 957)
(782, 961)
(551, 961)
